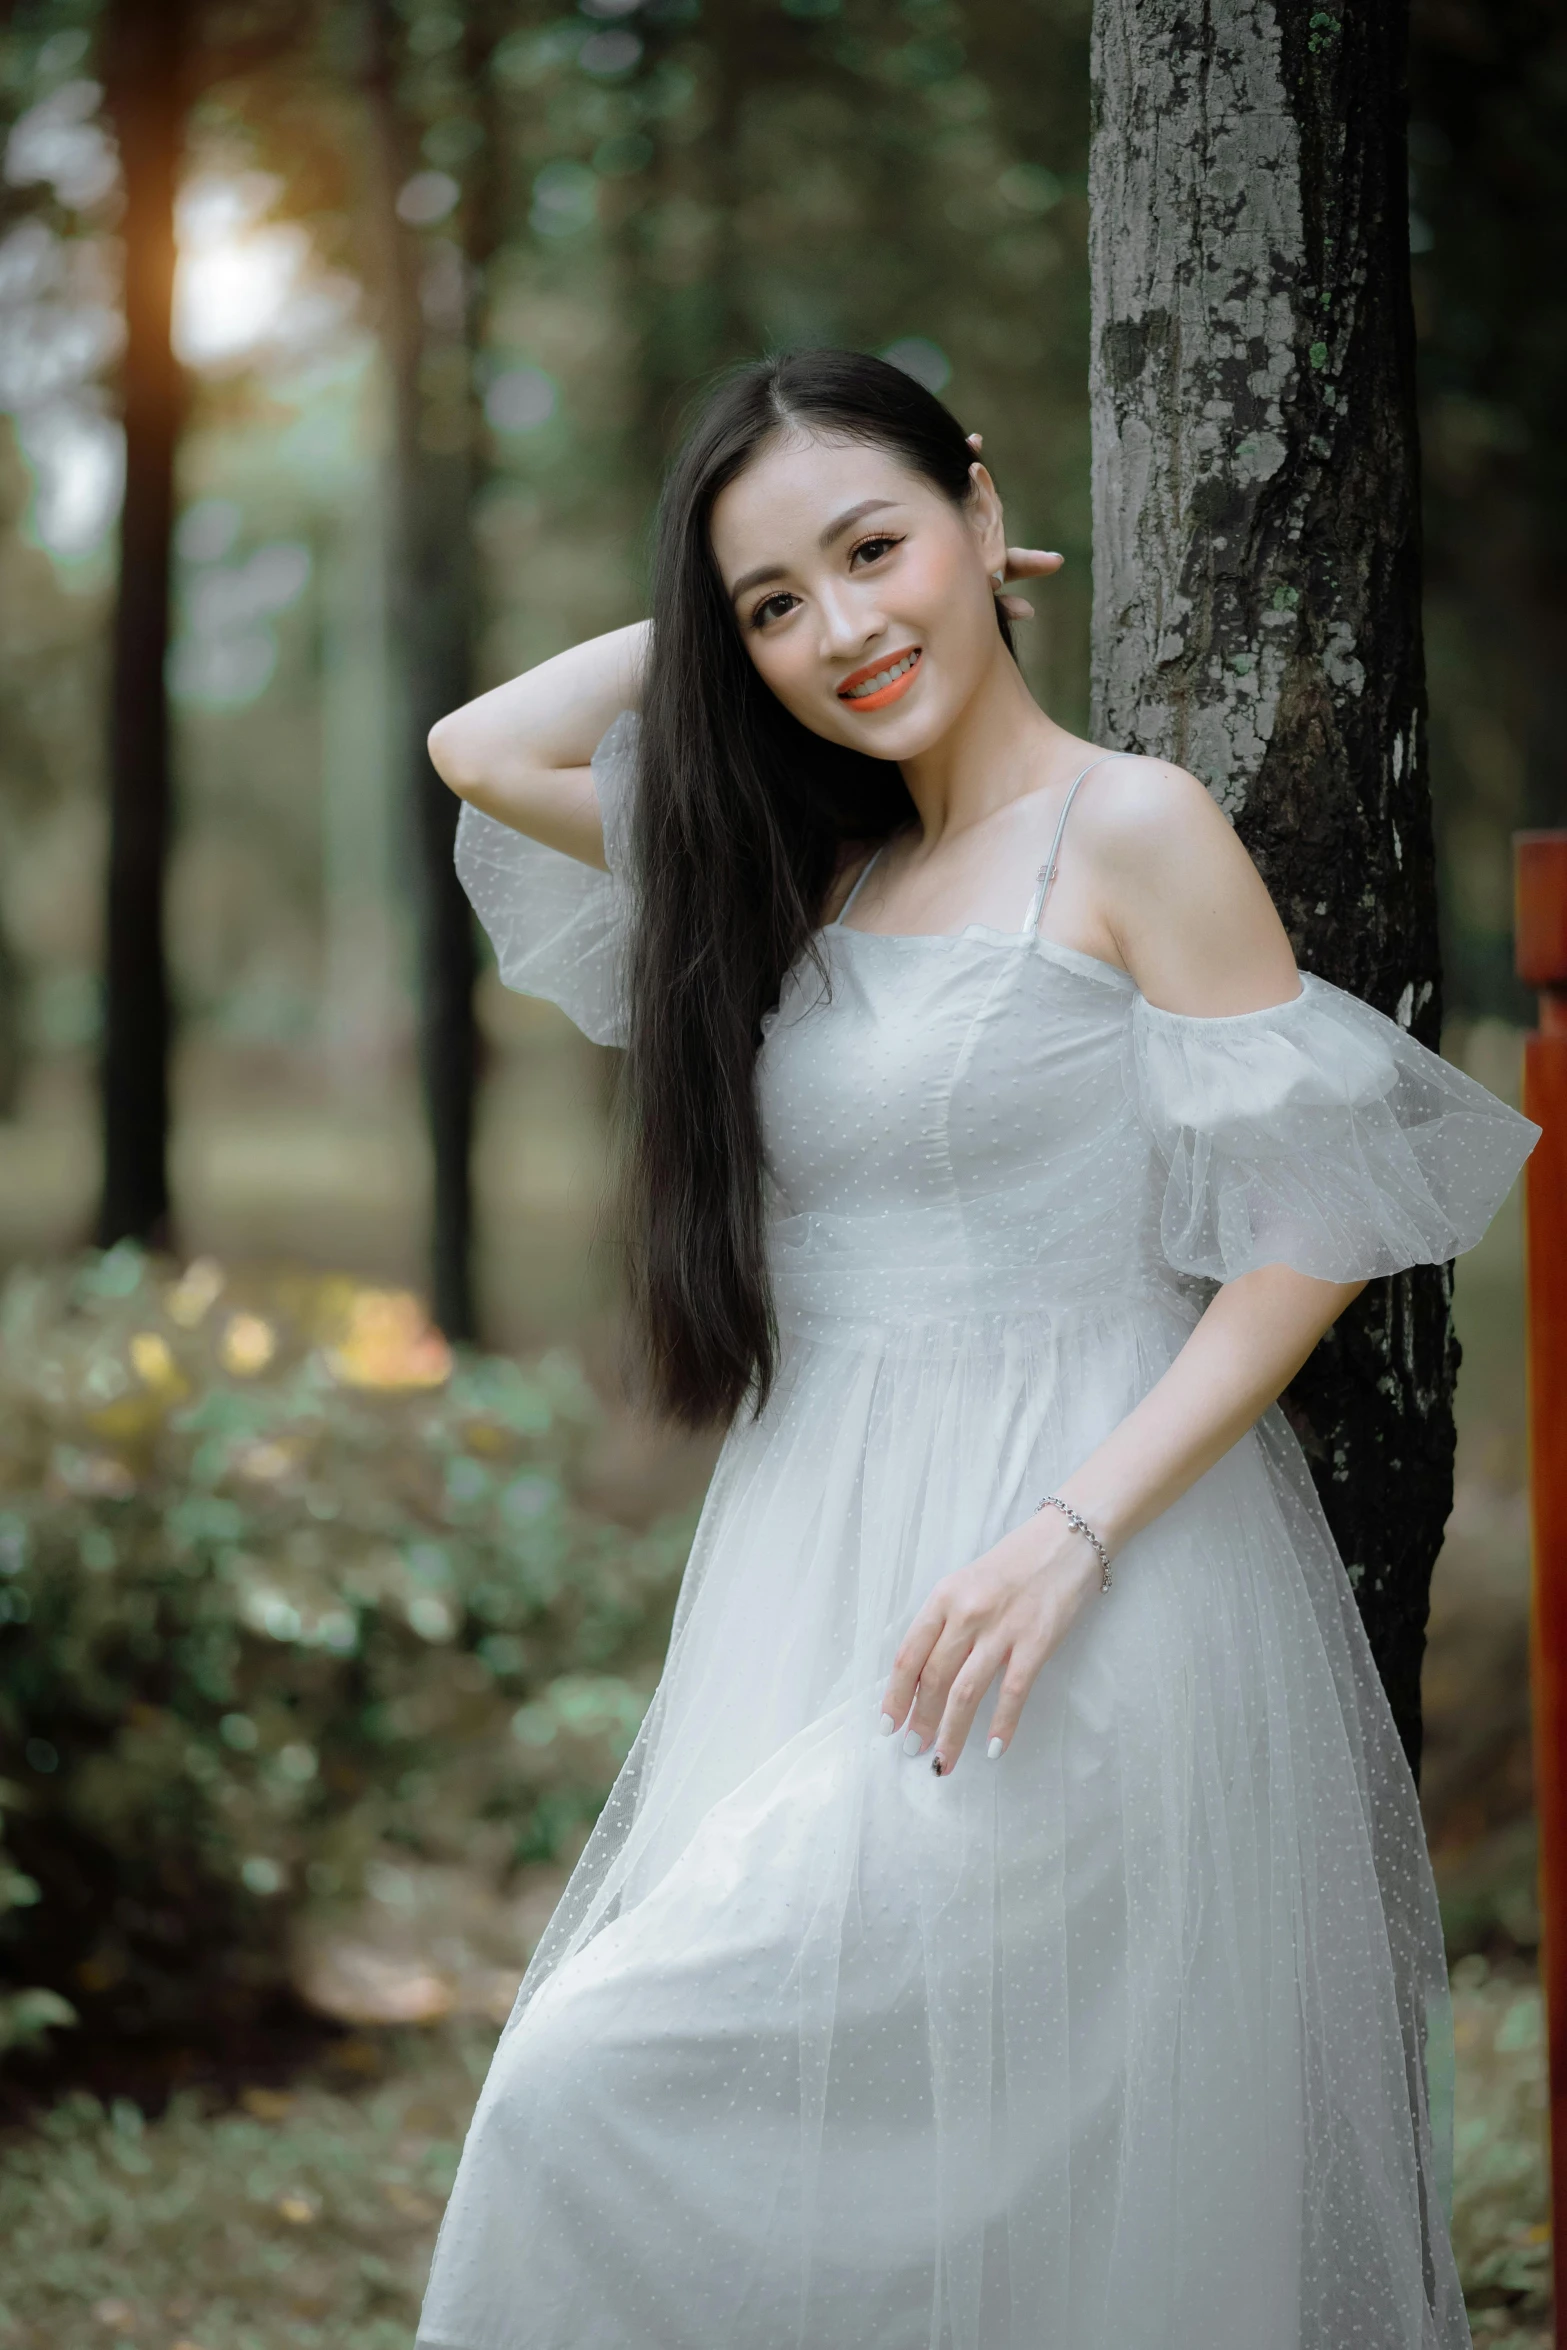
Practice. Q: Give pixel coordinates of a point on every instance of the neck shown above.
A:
(1001, 747)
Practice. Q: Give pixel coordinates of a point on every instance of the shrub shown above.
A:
(283, 1584)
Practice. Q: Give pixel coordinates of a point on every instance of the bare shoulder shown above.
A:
(1186, 905)
(1135, 812)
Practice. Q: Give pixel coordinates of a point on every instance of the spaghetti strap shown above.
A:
(859, 883)
(1047, 871)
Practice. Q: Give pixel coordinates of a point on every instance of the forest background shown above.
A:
(504, 244)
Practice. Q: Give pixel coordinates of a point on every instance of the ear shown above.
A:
(986, 519)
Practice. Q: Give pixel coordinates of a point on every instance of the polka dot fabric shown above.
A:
(557, 926)
(1139, 2039)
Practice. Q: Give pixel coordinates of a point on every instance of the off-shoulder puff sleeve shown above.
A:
(1317, 1134)
(559, 927)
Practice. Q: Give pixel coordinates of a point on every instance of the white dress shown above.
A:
(1137, 2039)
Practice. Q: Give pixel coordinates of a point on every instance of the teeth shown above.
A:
(873, 685)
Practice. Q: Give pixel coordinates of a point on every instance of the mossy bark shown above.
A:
(1257, 596)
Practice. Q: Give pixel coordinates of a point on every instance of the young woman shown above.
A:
(983, 1949)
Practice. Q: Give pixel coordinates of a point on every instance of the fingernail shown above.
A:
(888, 1725)
(936, 1764)
(994, 1751)
(914, 1743)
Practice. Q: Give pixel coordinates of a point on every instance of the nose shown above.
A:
(852, 620)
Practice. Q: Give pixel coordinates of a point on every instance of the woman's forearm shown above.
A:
(522, 751)
(1242, 1355)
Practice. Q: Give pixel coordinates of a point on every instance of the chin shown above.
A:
(903, 731)
(893, 734)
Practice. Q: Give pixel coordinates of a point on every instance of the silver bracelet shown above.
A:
(1053, 1501)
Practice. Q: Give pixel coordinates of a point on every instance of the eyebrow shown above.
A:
(835, 530)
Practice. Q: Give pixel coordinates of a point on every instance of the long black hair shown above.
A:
(741, 821)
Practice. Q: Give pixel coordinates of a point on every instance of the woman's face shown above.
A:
(862, 594)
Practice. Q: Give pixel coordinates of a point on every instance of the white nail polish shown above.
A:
(888, 1725)
(994, 1751)
(913, 1743)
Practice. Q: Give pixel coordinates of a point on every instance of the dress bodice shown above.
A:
(948, 1126)
(990, 1122)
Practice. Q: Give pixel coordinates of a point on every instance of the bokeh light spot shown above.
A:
(428, 197)
(926, 361)
(520, 400)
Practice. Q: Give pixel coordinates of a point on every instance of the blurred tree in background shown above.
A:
(148, 59)
(157, 55)
(513, 240)
(431, 313)
(1488, 232)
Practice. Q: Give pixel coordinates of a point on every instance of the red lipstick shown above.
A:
(906, 666)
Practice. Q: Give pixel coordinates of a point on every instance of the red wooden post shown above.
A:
(1542, 962)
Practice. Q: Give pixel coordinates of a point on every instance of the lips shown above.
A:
(881, 682)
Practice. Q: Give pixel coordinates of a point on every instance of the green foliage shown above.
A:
(283, 1585)
(26, 2017)
(298, 2220)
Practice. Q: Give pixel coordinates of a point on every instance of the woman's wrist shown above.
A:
(1095, 1551)
(1095, 1503)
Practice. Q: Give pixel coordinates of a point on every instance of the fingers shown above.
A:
(909, 1664)
(942, 1667)
(991, 1618)
(1016, 1682)
(1032, 562)
(1027, 563)
(968, 1687)
(976, 441)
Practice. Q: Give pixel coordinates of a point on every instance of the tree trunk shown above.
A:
(1256, 597)
(425, 298)
(11, 986)
(146, 60)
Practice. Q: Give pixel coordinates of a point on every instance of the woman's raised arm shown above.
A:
(521, 752)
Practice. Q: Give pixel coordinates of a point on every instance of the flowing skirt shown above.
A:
(1135, 2040)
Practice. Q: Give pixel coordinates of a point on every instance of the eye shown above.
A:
(873, 549)
(772, 608)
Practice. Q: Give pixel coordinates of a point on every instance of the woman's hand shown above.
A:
(1022, 562)
(1003, 1614)
(1012, 1608)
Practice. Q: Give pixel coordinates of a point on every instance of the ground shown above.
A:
(302, 2218)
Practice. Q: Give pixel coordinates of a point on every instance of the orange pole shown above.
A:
(1541, 872)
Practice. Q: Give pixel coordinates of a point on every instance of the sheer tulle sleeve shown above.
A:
(559, 927)
(1317, 1134)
